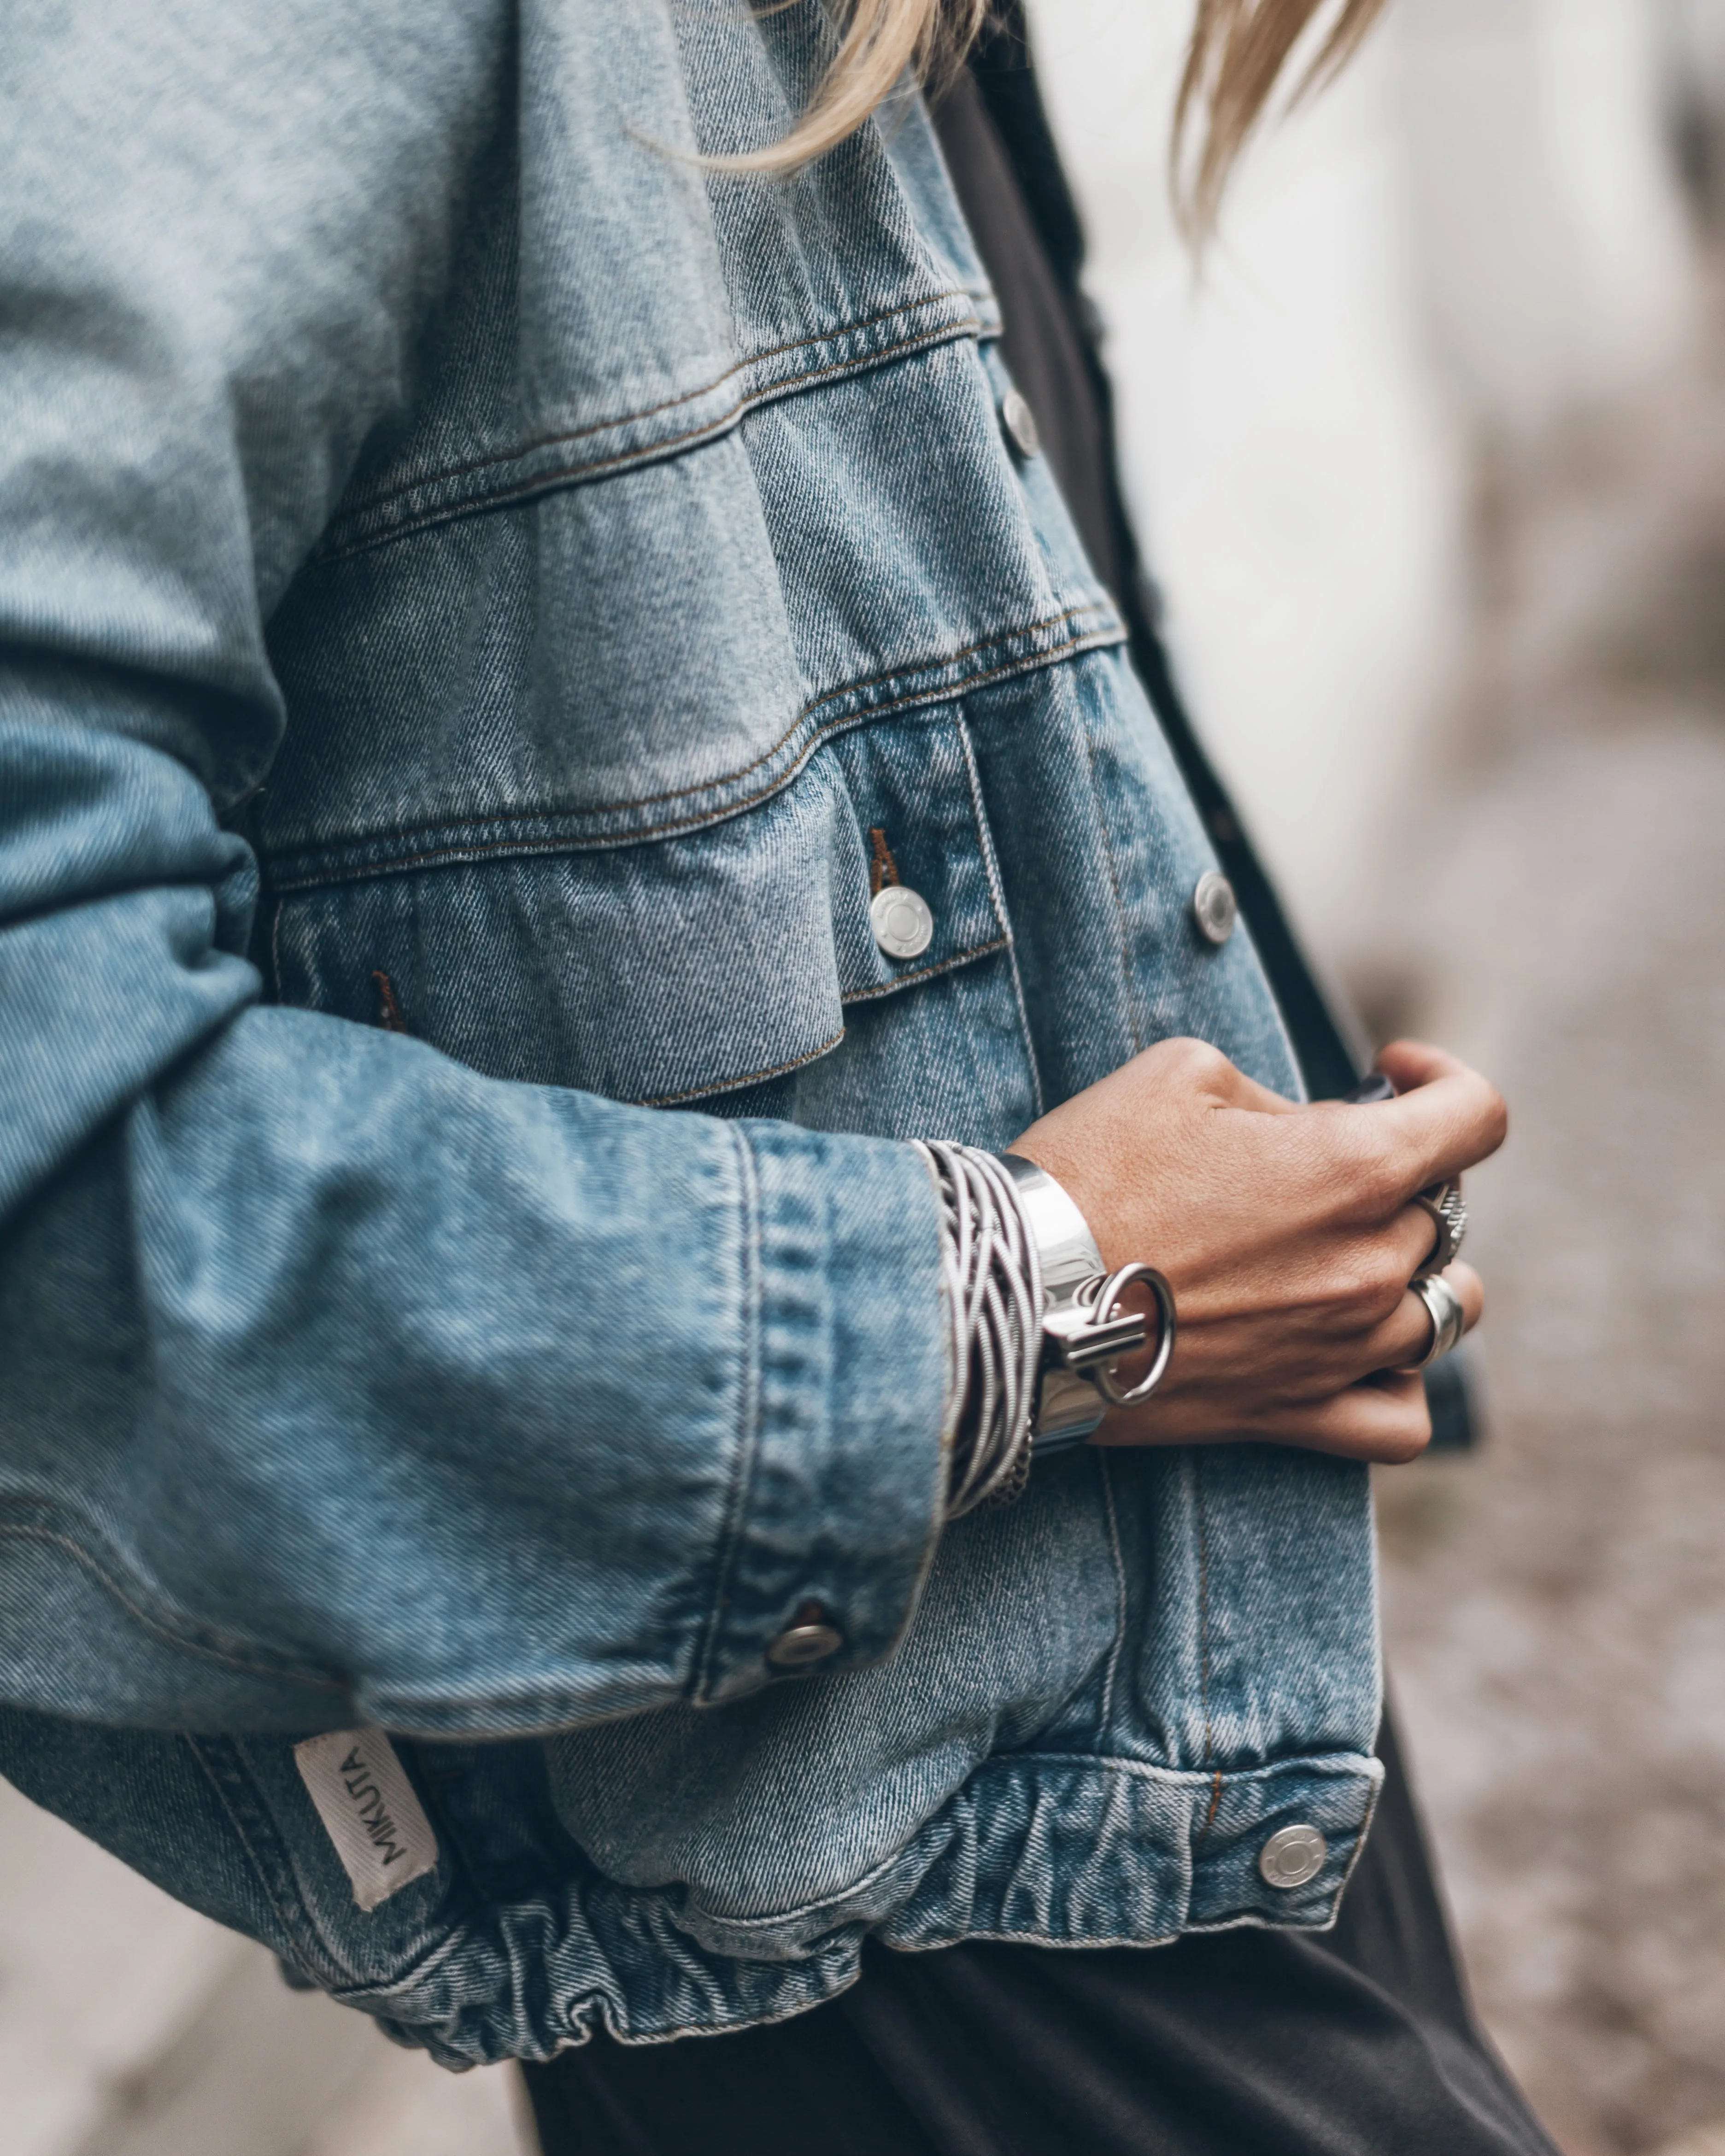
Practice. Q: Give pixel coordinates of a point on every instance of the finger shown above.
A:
(1450, 1121)
(1400, 1342)
(1384, 1420)
(1410, 1064)
(1413, 1235)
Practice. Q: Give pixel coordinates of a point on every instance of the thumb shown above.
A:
(1410, 1064)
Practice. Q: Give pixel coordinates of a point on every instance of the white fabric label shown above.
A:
(367, 1804)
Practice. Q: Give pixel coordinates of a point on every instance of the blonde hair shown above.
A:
(1238, 52)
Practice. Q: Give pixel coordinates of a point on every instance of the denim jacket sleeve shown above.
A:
(336, 1379)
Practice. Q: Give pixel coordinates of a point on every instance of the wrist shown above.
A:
(1088, 1332)
(1039, 1329)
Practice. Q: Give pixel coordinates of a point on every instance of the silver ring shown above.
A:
(1106, 1301)
(1448, 1209)
(1449, 1319)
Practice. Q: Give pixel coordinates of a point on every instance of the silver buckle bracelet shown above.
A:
(1085, 1331)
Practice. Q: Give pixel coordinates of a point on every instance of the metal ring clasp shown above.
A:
(1103, 1300)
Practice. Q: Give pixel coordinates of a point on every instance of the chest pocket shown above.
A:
(671, 970)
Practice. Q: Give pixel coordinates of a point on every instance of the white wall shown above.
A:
(1551, 246)
(1475, 231)
(129, 2026)
(1292, 463)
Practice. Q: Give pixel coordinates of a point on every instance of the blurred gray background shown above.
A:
(1431, 464)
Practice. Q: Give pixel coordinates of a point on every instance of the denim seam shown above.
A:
(443, 856)
(825, 338)
(1119, 1560)
(748, 1417)
(272, 1871)
(968, 956)
(554, 480)
(1125, 956)
(1342, 1766)
(845, 691)
(1201, 1520)
(267, 1849)
(997, 892)
(249, 1665)
(971, 952)
(734, 1084)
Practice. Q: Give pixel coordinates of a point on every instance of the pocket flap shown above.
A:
(663, 973)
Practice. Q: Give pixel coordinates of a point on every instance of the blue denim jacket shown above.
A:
(483, 592)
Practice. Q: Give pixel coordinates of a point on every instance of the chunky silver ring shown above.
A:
(1448, 1209)
(1105, 1303)
(1449, 1319)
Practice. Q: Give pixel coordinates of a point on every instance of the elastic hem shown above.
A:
(1054, 1850)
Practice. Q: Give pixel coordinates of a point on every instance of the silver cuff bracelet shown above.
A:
(1085, 1331)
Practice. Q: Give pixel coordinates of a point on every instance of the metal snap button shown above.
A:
(1293, 1856)
(814, 1638)
(1019, 422)
(1215, 908)
(903, 925)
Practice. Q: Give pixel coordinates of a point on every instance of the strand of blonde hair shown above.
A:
(883, 40)
(1238, 52)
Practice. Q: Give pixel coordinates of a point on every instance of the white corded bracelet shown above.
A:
(1034, 1324)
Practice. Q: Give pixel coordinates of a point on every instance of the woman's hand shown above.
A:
(1287, 1233)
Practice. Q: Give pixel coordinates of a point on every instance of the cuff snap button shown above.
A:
(812, 1638)
(1293, 1856)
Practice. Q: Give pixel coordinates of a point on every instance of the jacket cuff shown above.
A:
(840, 1501)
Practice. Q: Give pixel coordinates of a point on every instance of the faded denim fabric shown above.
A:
(475, 581)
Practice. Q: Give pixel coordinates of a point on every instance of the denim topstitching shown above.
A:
(333, 546)
(819, 340)
(886, 707)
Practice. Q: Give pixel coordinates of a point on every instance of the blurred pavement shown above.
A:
(1556, 1605)
(131, 2027)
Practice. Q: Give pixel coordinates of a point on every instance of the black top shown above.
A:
(1358, 2042)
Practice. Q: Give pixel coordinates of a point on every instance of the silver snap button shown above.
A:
(903, 925)
(1019, 422)
(1215, 908)
(801, 1646)
(1293, 1856)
